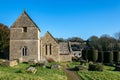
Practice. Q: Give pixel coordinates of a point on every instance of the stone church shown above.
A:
(26, 44)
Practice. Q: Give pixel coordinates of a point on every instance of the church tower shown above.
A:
(24, 39)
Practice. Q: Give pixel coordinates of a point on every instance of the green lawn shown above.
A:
(107, 74)
(19, 73)
(72, 64)
(95, 75)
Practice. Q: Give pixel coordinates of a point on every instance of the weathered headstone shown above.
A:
(32, 70)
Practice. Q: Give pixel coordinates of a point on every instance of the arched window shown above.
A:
(24, 51)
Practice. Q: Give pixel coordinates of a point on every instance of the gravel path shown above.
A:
(71, 74)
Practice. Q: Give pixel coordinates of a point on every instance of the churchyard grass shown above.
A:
(19, 73)
(107, 74)
(95, 75)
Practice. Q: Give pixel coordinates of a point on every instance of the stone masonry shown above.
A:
(49, 47)
(26, 45)
(24, 39)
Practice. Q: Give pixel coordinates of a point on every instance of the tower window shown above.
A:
(24, 51)
(24, 29)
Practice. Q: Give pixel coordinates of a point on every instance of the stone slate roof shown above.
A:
(64, 48)
(24, 21)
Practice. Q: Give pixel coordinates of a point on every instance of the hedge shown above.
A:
(84, 54)
(92, 55)
(108, 57)
(100, 56)
(116, 56)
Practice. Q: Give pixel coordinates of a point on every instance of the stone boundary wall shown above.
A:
(9, 63)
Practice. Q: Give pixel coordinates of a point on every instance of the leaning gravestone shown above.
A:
(32, 70)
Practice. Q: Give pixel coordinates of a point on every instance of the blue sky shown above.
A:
(66, 18)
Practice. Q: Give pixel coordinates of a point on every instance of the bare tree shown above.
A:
(117, 36)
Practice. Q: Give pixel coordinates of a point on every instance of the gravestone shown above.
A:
(56, 66)
(32, 70)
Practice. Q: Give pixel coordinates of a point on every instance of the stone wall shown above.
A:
(46, 42)
(16, 49)
(18, 34)
(9, 63)
(37, 49)
(64, 58)
(65, 54)
(24, 33)
(13, 63)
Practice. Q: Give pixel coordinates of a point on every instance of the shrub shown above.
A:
(108, 57)
(96, 67)
(84, 54)
(100, 56)
(116, 57)
(50, 60)
(92, 55)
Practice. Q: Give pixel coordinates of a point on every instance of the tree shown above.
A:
(93, 38)
(94, 42)
(107, 42)
(60, 40)
(117, 36)
(4, 37)
(75, 39)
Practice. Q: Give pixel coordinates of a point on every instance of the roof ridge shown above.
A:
(24, 12)
(30, 18)
(51, 36)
